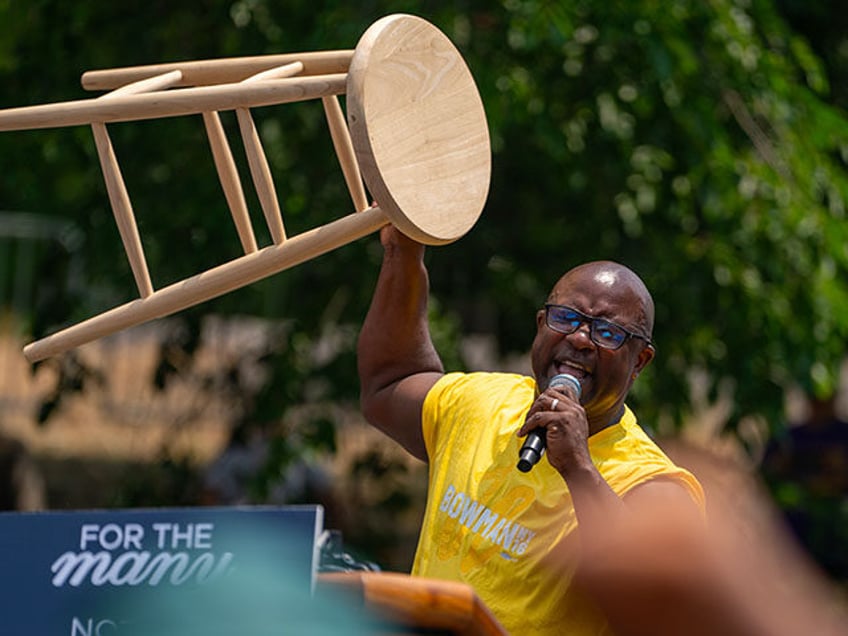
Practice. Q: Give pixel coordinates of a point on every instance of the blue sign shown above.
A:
(165, 571)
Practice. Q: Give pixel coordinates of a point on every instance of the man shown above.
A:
(512, 535)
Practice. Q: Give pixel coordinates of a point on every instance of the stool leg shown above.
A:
(122, 209)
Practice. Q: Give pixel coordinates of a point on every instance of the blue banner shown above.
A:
(164, 571)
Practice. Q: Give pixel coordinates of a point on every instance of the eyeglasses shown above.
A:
(603, 333)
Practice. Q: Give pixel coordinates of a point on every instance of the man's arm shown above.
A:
(397, 361)
(596, 505)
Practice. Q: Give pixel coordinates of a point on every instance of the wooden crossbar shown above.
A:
(220, 71)
(186, 101)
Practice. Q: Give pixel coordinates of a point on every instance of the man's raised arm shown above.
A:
(397, 361)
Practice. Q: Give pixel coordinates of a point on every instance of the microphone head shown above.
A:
(566, 380)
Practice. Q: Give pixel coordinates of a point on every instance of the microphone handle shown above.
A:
(531, 450)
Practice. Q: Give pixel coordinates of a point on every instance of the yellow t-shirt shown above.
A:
(498, 529)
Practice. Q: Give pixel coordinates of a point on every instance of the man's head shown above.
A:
(608, 293)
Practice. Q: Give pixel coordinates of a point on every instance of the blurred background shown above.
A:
(703, 144)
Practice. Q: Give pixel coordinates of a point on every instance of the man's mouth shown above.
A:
(571, 368)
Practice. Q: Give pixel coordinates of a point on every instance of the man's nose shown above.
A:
(582, 336)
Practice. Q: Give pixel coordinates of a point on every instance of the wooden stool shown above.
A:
(416, 133)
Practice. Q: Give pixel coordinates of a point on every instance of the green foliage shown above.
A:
(693, 142)
(697, 142)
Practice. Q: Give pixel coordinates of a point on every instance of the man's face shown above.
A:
(605, 375)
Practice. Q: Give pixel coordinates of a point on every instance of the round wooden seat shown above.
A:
(419, 129)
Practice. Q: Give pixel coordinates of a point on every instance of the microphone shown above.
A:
(534, 444)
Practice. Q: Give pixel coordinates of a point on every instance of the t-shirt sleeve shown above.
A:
(442, 398)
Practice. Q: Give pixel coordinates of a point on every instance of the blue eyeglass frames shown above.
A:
(602, 332)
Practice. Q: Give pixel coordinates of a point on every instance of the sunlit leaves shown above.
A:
(691, 140)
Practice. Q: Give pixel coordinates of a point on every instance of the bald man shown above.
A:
(518, 537)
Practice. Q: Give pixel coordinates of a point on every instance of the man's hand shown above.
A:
(396, 243)
(558, 411)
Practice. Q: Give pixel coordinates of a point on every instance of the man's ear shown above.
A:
(540, 319)
(645, 356)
